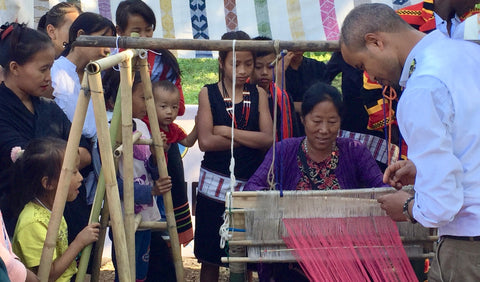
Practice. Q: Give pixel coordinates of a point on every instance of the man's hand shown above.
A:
(400, 174)
(393, 205)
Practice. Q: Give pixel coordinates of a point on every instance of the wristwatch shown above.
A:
(406, 212)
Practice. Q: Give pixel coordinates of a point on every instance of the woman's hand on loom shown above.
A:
(162, 186)
(393, 204)
(400, 174)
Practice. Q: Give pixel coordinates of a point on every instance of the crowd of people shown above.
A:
(42, 72)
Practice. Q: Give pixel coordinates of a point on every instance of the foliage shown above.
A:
(198, 72)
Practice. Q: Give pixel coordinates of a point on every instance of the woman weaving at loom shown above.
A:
(319, 161)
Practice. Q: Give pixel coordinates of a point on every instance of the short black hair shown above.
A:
(262, 53)
(131, 7)
(320, 92)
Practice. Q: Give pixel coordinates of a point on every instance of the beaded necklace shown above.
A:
(229, 106)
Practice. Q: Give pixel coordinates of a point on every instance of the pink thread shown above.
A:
(349, 249)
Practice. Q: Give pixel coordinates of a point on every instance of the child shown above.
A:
(145, 188)
(136, 16)
(167, 100)
(262, 76)
(166, 97)
(37, 173)
(56, 23)
(252, 136)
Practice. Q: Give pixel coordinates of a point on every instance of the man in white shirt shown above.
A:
(438, 115)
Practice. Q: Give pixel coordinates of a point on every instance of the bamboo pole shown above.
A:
(108, 168)
(138, 220)
(162, 169)
(115, 137)
(126, 83)
(98, 252)
(119, 150)
(113, 60)
(153, 225)
(68, 166)
(202, 44)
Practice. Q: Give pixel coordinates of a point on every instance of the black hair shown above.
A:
(164, 85)
(262, 53)
(128, 8)
(222, 55)
(320, 92)
(89, 23)
(20, 43)
(43, 157)
(55, 16)
(131, 7)
(111, 83)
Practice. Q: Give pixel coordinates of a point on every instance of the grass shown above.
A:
(198, 72)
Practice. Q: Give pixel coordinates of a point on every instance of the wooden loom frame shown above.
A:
(123, 232)
(242, 201)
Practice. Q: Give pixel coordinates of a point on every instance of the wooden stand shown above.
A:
(418, 241)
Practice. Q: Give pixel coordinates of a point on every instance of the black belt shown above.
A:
(462, 238)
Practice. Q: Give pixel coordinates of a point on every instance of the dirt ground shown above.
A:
(191, 266)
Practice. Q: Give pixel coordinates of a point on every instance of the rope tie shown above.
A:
(391, 96)
(224, 229)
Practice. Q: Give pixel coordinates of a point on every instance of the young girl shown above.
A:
(252, 136)
(26, 56)
(56, 23)
(37, 173)
(68, 70)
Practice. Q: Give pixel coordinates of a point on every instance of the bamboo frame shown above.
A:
(68, 166)
(126, 83)
(108, 168)
(162, 168)
(202, 44)
(97, 207)
(117, 153)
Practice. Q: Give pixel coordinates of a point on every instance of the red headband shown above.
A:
(6, 31)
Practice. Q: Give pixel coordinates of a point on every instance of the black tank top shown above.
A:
(247, 159)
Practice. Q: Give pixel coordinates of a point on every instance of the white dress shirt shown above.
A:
(439, 117)
(66, 85)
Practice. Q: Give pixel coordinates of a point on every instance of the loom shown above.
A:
(257, 222)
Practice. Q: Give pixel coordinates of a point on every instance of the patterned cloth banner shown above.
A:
(202, 19)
